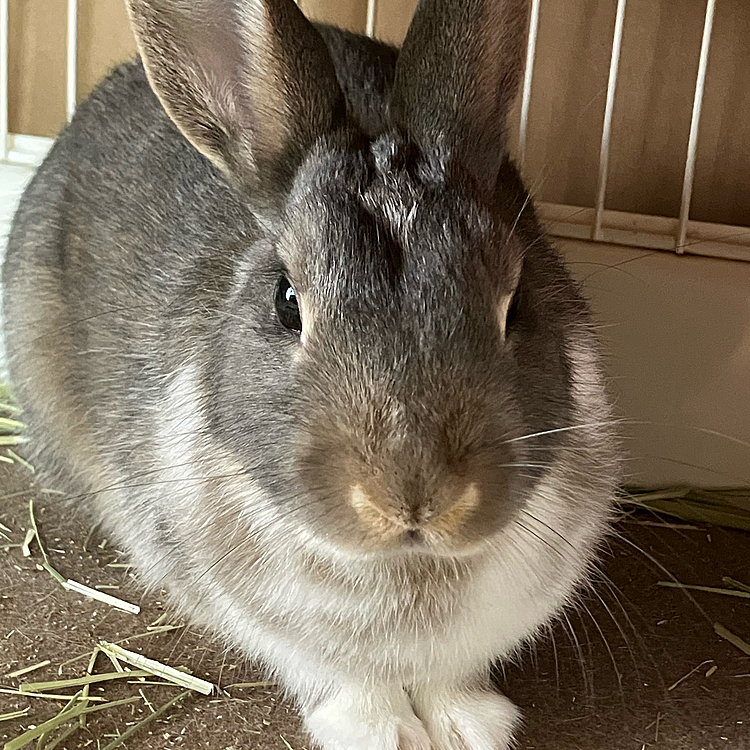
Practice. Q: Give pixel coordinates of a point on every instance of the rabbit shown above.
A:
(281, 315)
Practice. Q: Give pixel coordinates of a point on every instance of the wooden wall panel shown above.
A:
(654, 104)
(392, 19)
(567, 103)
(104, 40)
(37, 52)
(349, 14)
(36, 66)
(722, 187)
(651, 120)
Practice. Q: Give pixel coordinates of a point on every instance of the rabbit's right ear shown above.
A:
(456, 77)
(248, 82)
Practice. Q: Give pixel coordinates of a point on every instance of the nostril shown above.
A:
(414, 537)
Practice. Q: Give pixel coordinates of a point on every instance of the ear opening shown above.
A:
(456, 77)
(248, 82)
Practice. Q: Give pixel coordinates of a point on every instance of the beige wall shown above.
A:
(676, 331)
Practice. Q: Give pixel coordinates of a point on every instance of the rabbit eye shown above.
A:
(287, 308)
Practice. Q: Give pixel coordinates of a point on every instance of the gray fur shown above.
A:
(222, 450)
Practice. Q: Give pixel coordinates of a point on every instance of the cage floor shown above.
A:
(602, 684)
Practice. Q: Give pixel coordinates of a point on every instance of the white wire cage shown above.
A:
(596, 222)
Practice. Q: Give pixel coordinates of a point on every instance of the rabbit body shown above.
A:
(241, 464)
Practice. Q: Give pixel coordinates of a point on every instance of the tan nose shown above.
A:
(388, 517)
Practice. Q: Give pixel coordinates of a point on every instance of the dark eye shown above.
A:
(286, 305)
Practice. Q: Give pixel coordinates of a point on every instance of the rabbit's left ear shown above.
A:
(456, 77)
(249, 83)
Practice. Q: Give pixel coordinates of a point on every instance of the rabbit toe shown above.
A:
(470, 720)
(352, 721)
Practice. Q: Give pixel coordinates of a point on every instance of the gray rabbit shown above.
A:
(280, 311)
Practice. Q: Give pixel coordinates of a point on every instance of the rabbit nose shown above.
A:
(444, 513)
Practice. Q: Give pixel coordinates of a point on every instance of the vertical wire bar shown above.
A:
(3, 79)
(614, 66)
(72, 58)
(371, 10)
(700, 85)
(527, 78)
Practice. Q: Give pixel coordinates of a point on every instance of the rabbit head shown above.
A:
(402, 354)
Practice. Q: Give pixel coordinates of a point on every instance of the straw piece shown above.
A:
(158, 669)
(33, 687)
(30, 668)
(67, 583)
(42, 741)
(62, 718)
(11, 425)
(15, 714)
(735, 640)
(101, 596)
(18, 459)
(155, 631)
(48, 696)
(721, 507)
(689, 674)
(13, 440)
(87, 686)
(62, 737)
(30, 534)
(35, 529)
(732, 583)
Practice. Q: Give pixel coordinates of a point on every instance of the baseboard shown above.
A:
(28, 150)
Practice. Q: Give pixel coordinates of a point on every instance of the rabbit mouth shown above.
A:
(389, 526)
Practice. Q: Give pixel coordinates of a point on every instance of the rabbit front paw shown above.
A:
(467, 720)
(351, 720)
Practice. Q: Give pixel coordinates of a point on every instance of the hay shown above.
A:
(735, 640)
(720, 507)
(157, 669)
(69, 585)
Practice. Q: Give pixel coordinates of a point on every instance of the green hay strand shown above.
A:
(43, 687)
(158, 712)
(15, 714)
(62, 718)
(31, 668)
(732, 583)
(735, 640)
(708, 589)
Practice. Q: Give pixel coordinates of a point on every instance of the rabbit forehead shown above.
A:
(357, 225)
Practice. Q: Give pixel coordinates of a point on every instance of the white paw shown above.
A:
(472, 720)
(354, 721)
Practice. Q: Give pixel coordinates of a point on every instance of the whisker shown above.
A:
(607, 423)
